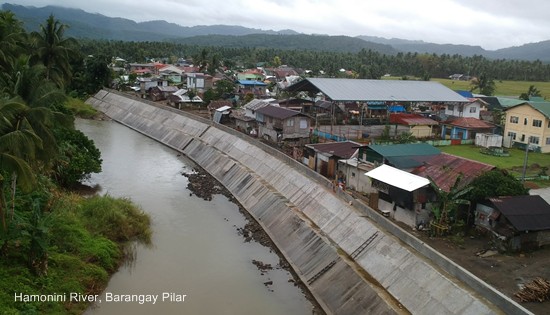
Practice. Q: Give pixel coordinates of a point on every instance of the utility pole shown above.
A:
(525, 159)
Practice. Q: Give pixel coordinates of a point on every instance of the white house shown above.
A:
(470, 109)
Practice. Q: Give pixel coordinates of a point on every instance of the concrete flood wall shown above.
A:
(351, 264)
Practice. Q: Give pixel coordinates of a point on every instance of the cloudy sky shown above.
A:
(491, 24)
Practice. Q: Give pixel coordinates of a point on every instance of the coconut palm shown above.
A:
(52, 50)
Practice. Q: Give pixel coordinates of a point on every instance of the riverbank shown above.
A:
(87, 240)
(204, 185)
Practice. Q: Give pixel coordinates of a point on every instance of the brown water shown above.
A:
(196, 250)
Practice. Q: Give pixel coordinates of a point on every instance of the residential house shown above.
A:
(400, 195)
(199, 81)
(214, 105)
(471, 109)
(159, 93)
(518, 222)
(323, 157)
(183, 97)
(280, 124)
(172, 74)
(257, 88)
(244, 123)
(282, 72)
(528, 123)
(401, 156)
(297, 104)
(251, 74)
(145, 84)
(251, 107)
(419, 126)
(465, 128)
(141, 68)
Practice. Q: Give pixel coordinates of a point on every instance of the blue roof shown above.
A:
(464, 93)
(396, 109)
(251, 82)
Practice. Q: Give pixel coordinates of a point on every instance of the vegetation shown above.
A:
(51, 241)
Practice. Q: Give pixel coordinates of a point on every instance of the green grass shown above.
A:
(80, 109)
(513, 163)
(502, 88)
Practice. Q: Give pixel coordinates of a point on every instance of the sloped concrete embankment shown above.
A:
(350, 264)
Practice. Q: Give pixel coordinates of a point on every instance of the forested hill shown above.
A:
(297, 42)
(96, 26)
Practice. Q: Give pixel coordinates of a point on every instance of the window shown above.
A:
(548, 140)
(512, 135)
(514, 119)
(537, 123)
(522, 138)
(534, 140)
(473, 109)
(303, 123)
(290, 122)
(451, 108)
(525, 121)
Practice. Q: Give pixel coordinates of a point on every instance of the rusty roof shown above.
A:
(525, 213)
(443, 169)
(469, 123)
(344, 150)
(411, 120)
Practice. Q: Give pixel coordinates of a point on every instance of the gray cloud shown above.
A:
(491, 24)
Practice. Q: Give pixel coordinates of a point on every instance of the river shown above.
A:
(196, 250)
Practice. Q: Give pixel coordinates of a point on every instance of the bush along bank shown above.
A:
(60, 243)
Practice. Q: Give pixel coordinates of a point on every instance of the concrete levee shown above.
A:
(367, 269)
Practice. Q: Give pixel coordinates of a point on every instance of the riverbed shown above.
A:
(198, 259)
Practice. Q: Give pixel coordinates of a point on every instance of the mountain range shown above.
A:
(96, 26)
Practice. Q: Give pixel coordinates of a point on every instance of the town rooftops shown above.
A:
(277, 112)
(525, 213)
(404, 156)
(344, 150)
(379, 90)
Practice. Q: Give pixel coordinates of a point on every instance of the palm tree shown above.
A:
(52, 50)
(448, 201)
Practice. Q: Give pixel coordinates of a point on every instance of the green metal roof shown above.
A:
(510, 102)
(542, 107)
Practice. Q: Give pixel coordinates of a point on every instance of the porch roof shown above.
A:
(397, 178)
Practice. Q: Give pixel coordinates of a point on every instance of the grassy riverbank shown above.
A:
(88, 239)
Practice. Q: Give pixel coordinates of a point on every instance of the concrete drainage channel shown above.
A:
(350, 264)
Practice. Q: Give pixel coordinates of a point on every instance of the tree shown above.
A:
(495, 183)
(532, 91)
(448, 201)
(52, 50)
(484, 84)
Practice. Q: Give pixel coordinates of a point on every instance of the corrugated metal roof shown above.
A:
(277, 112)
(251, 83)
(469, 123)
(379, 90)
(397, 178)
(343, 150)
(444, 169)
(411, 120)
(526, 213)
(255, 104)
(542, 107)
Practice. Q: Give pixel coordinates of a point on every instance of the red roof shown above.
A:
(411, 120)
(444, 169)
(469, 123)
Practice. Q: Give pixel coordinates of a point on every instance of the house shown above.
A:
(282, 72)
(159, 93)
(280, 124)
(517, 222)
(199, 81)
(257, 88)
(465, 128)
(471, 109)
(252, 74)
(171, 73)
(419, 126)
(444, 170)
(251, 107)
(145, 84)
(528, 123)
(141, 68)
(297, 104)
(182, 96)
(400, 195)
(323, 157)
(401, 156)
(244, 123)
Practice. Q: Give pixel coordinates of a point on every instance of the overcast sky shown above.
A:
(491, 24)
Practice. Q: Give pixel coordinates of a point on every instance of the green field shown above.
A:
(502, 88)
(513, 163)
